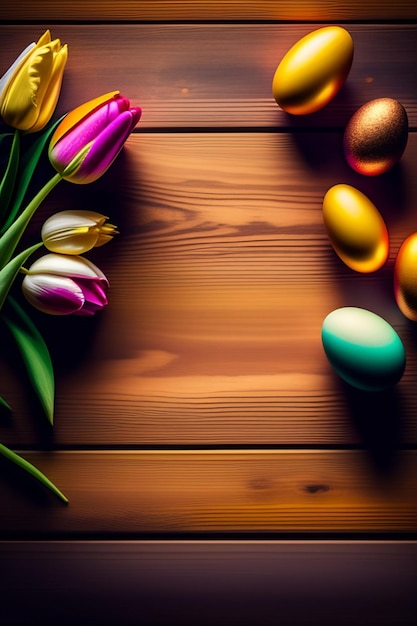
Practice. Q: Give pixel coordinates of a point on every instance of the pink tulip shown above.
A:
(90, 137)
(61, 284)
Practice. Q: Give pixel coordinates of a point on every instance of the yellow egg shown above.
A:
(355, 228)
(405, 277)
(313, 70)
(376, 136)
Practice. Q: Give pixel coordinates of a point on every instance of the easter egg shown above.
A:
(313, 70)
(376, 136)
(363, 348)
(355, 228)
(405, 277)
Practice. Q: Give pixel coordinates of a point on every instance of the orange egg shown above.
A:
(405, 277)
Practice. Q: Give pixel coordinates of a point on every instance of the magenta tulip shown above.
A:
(90, 137)
(61, 284)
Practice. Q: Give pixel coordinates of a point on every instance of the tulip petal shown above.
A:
(88, 309)
(72, 219)
(56, 295)
(66, 265)
(20, 106)
(73, 242)
(106, 147)
(86, 132)
(50, 97)
(103, 239)
(14, 68)
(79, 113)
(94, 291)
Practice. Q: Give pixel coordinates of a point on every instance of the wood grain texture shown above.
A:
(219, 76)
(220, 281)
(189, 10)
(210, 492)
(206, 583)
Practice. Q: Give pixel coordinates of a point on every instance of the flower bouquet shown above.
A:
(81, 146)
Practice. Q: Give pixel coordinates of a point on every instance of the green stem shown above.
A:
(31, 469)
(10, 271)
(9, 178)
(11, 237)
(4, 404)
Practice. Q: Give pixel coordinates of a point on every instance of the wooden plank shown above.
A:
(214, 76)
(220, 281)
(171, 492)
(188, 10)
(205, 583)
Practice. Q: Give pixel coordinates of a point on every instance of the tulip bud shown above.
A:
(30, 88)
(62, 285)
(90, 137)
(76, 232)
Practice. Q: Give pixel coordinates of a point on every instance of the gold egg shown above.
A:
(376, 136)
(313, 70)
(355, 228)
(405, 277)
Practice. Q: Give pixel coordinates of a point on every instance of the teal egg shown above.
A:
(363, 348)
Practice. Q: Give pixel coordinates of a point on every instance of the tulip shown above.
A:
(90, 137)
(62, 285)
(30, 88)
(76, 232)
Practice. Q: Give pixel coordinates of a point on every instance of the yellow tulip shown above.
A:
(30, 88)
(76, 232)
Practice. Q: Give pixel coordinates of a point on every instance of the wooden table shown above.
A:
(217, 470)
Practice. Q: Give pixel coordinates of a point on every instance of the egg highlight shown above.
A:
(405, 278)
(314, 69)
(376, 136)
(363, 348)
(355, 228)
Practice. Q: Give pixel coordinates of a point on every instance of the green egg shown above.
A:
(363, 348)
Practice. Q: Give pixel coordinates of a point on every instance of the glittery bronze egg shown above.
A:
(376, 136)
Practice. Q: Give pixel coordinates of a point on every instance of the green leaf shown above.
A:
(4, 404)
(11, 237)
(9, 178)
(29, 161)
(31, 469)
(34, 352)
(11, 270)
